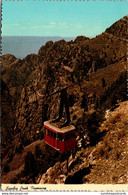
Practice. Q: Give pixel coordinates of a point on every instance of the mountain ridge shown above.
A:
(82, 63)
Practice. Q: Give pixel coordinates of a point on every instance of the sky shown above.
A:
(60, 18)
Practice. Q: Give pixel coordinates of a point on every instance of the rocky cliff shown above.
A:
(104, 163)
(81, 65)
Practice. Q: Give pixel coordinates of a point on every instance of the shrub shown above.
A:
(84, 103)
(14, 180)
(103, 83)
(6, 168)
(25, 139)
(41, 135)
(117, 154)
(30, 164)
(121, 133)
(38, 151)
(113, 100)
(115, 178)
(19, 148)
(97, 104)
(106, 153)
(100, 150)
(10, 157)
(116, 118)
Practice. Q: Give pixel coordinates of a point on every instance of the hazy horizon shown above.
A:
(21, 46)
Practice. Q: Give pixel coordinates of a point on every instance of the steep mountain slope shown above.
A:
(81, 65)
(106, 163)
(118, 29)
(7, 114)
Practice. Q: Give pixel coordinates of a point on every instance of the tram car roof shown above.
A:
(55, 127)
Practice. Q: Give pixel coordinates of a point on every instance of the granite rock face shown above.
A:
(79, 65)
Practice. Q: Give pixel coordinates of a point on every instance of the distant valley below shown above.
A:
(21, 46)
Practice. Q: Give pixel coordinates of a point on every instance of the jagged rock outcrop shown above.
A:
(7, 114)
(81, 65)
(119, 29)
(81, 38)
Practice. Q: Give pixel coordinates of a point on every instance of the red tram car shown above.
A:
(60, 139)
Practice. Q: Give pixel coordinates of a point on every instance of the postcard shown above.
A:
(64, 95)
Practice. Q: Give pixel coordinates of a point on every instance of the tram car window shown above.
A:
(52, 134)
(56, 136)
(47, 131)
(60, 136)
